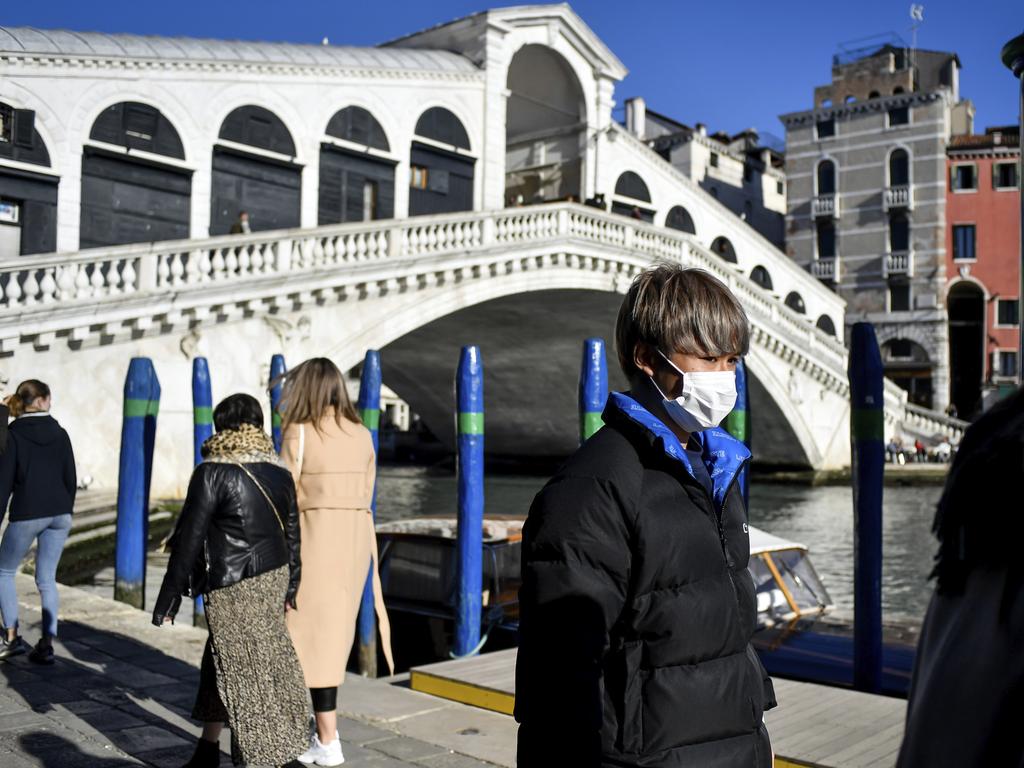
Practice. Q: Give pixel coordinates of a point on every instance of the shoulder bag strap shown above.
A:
(252, 477)
(302, 447)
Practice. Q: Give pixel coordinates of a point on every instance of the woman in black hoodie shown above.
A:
(38, 470)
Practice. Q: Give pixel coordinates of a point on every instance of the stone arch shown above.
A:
(826, 177)
(723, 247)
(355, 184)
(442, 125)
(631, 192)
(679, 218)
(360, 126)
(796, 302)
(899, 167)
(441, 180)
(259, 127)
(825, 324)
(762, 277)
(134, 125)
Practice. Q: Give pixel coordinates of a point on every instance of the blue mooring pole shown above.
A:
(368, 406)
(138, 434)
(469, 399)
(867, 448)
(737, 424)
(277, 369)
(593, 389)
(202, 428)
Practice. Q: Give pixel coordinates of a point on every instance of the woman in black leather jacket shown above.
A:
(237, 543)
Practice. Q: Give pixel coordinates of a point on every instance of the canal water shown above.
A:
(821, 518)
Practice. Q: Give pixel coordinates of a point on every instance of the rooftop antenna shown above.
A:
(917, 17)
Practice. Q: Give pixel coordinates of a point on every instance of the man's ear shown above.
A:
(644, 358)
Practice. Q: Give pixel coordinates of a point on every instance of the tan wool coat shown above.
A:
(334, 468)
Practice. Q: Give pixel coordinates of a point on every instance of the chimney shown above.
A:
(766, 157)
(636, 116)
(702, 130)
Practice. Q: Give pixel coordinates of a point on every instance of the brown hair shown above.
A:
(676, 309)
(26, 394)
(310, 390)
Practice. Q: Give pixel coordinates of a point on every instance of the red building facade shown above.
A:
(983, 266)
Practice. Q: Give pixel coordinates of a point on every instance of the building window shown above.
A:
(826, 177)
(826, 128)
(874, 95)
(899, 297)
(1008, 312)
(369, 200)
(964, 177)
(714, 159)
(826, 239)
(1004, 175)
(899, 116)
(899, 233)
(418, 177)
(963, 242)
(748, 172)
(899, 168)
(901, 349)
(778, 187)
(1005, 364)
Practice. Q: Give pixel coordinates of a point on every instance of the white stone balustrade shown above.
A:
(898, 263)
(826, 269)
(825, 206)
(898, 197)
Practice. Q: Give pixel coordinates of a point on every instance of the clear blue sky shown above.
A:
(730, 65)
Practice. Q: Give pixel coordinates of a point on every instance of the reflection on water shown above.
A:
(821, 518)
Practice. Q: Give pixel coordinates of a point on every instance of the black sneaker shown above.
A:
(10, 648)
(42, 653)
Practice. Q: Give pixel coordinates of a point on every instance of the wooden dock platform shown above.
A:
(814, 725)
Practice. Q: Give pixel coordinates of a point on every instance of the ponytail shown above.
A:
(27, 393)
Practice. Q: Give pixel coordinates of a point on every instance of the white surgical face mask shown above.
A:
(706, 399)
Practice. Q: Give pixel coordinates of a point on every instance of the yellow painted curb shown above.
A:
(465, 693)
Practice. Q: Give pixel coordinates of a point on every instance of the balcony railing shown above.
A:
(825, 206)
(901, 196)
(898, 263)
(826, 269)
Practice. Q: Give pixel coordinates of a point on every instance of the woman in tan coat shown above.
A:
(330, 454)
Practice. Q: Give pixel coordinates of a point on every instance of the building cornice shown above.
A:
(119, 63)
(881, 104)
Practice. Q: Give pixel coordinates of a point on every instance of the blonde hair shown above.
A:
(676, 309)
(310, 390)
(27, 393)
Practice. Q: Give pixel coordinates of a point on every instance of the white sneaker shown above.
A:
(323, 754)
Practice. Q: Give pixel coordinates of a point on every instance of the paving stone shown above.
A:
(20, 721)
(454, 760)
(358, 732)
(405, 748)
(146, 738)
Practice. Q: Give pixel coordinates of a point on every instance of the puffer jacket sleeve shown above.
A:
(294, 540)
(575, 569)
(189, 536)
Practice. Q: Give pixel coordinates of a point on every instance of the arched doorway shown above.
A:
(907, 363)
(128, 199)
(632, 197)
(761, 276)
(545, 128)
(723, 247)
(29, 199)
(441, 169)
(966, 309)
(679, 218)
(357, 180)
(796, 302)
(266, 185)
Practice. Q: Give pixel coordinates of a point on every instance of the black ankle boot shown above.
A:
(207, 755)
(43, 652)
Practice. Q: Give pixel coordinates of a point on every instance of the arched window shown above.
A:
(357, 125)
(26, 145)
(826, 177)
(897, 90)
(442, 125)
(761, 276)
(874, 95)
(138, 126)
(631, 185)
(899, 168)
(723, 247)
(796, 302)
(29, 198)
(679, 218)
(826, 325)
(258, 127)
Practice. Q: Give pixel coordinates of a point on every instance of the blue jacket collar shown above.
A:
(723, 455)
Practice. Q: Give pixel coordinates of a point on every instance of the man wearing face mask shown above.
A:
(636, 607)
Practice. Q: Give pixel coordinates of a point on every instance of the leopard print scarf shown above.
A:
(246, 445)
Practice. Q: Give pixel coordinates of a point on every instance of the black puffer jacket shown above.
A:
(636, 608)
(228, 532)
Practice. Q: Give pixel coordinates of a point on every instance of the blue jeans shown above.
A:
(52, 532)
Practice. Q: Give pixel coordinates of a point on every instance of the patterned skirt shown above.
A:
(250, 676)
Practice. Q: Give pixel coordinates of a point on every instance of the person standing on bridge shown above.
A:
(331, 457)
(237, 543)
(38, 470)
(636, 606)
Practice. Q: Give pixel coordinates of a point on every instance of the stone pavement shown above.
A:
(121, 691)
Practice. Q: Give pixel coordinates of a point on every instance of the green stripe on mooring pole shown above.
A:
(202, 429)
(469, 404)
(593, 388)
(368, 406)
(737, 424)
(277, 370)
(867, 423)
(138, 435)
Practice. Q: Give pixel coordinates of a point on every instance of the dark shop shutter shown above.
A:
(268, 190)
